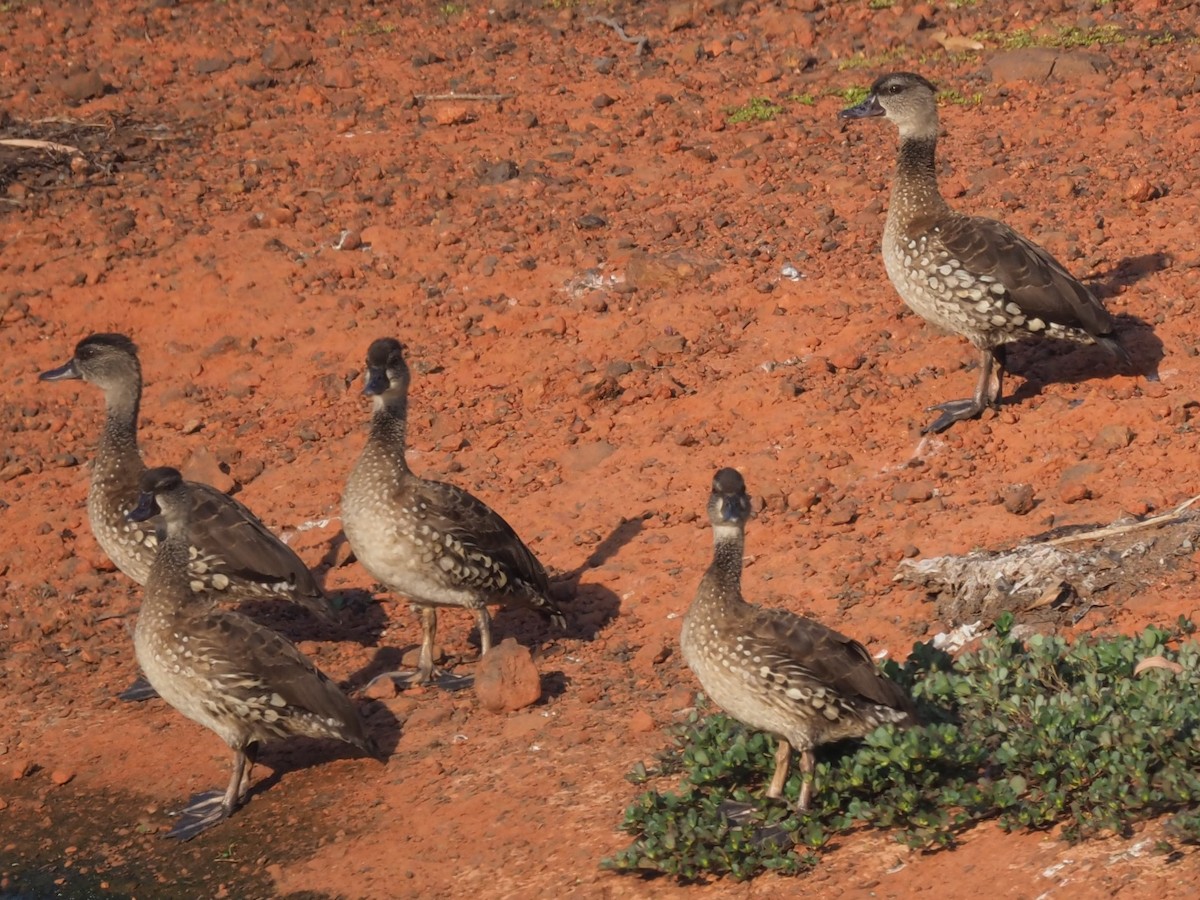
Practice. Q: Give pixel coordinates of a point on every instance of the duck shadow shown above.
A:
(358, 618)
(1041, 362)
(1128, 271)
(300, 753)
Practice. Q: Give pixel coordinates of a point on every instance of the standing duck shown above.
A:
(221, 669)
(232, 553)
(773, 670)
(430, 541)
(969, 275)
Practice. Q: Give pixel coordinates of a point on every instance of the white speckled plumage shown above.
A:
(771, 669)
(433, 542)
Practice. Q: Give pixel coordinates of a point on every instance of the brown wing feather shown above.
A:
(247, 658)
(478, 527)
(1035, 280)
(222, 526)
(830, 657)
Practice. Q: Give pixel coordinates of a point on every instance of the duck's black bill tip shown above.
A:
(865, 110)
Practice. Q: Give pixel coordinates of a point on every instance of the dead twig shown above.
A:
(643, 42)
(1110, 530)
(493, 98)
(31, 144)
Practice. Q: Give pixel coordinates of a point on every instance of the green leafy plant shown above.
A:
(756, 109)
(1097, 36)
(1025, 733)
(853, 95)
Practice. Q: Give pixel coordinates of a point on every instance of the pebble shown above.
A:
(507, 679)
(85, 85)
(1019, 499)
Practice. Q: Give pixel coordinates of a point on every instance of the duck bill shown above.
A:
(65, 372)
(376, 382)
(146, 509)
(865, 110)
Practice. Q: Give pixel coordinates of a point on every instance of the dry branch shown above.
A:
(642, 42)
(31, 144)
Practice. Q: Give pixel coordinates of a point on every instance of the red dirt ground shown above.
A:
(587, 274)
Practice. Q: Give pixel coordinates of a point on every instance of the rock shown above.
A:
(22, 768)
(585, 457)
(641, 722)
(1018, 499)
(843, 513)
(916, 492)
(202, 466)
(86, 85)
(61, 776)
(1113, 437)
(653, 653)
(280, 56)
(341, 77)
(1023, 64)
(680, 15)
(210, 65)
(506, 678)
(381, 689)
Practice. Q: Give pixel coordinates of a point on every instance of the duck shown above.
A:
(773, 670)
(233, 554)
(237, 678)
(969, 275)
(432, 542)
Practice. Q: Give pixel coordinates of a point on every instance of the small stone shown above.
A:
(1113, 437)
(210, 65)
(843, 513)
(1018, 499)
(1073, 492)
(22, 768)
(916, 492)
(507, 679)
(641, 722)
(680, 14)
(382, 688)
(83, 85)
(1139, 190)
(61, 776)
(453, 114)
(283, 55)
(202, 466)
(602, 101)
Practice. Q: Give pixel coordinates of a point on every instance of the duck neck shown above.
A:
(118, 440)
(169, 580)
(915, 188)
(725, 571)
(389, 427)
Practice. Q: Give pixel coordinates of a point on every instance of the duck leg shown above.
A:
(207, 809)
(987, 393)
(425, 672)
(808, 768)
(783, 758)
(485, 630)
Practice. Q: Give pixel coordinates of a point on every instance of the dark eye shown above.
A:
(894, 89)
